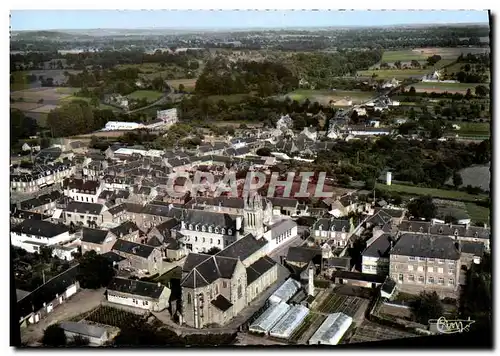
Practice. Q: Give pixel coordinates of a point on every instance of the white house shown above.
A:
(279, 233)
(82, 190)
(375, 258)
(138, 294)
(32, 235)
(120, 125)
(169, 116)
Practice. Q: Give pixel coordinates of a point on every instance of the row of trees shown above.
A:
(428, 163)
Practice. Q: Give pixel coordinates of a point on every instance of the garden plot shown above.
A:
(369, 332)
(335, 303)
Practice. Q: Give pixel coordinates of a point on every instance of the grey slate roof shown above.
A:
(474, 248)
(134, 287)
(302, 254)
(243, 248)
(94, 236)
(258, 268)
(113, 257)
(380, 247)
(133, 248)
(221, 303)
(83, 329)
(208, 271)
(125, 228)
(428, 246)
(445, 229)
(327, 224)
(39, 228)
(281, 226)
(207, 218)
(84, 208)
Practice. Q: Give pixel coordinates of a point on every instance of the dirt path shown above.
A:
(81, 302)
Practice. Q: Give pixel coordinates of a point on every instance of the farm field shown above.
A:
(189, 84)
(150, 95)
(450, 53)
(478, 213)
(20, 81)
(369, 331)
(473, 128)
(335, 303)
(404, 55)
(324, 96)
(436, 193)
(444, 87)
(308, 327)
(101, 105)
(153, 70)
(107, 315)
(395, 73)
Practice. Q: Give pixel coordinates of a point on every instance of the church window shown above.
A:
(223, 231)
(196, 239)
(240, 294)
(189, 298)
(218, 242)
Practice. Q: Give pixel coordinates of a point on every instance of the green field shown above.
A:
(189, 84)
(150, 95)
(436, 193)
(394, 73)
(445, 87)
(405, 55)
(101, 105)
(478, 213)
(324, 96)
(472, 128)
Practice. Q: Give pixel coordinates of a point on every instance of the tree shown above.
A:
(213, 250)
(181, 88)
(481, 91)
(426, 307)
(422, 207)
(468, 94)
(370, 184)
(54, 336)
(95, 271)
(457, 180)
(467, 67)
(264, 151)
(412, 91)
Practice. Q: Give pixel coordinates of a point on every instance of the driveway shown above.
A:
(81, 302)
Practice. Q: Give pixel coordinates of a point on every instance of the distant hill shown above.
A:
(46, 35)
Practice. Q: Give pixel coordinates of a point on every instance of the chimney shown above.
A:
(310, 290)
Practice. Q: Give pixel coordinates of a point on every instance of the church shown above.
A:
(215, 288)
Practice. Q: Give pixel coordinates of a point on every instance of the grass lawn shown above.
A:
(436, 193)
(101, 105)
(150, 95)
(478, 213)
(394, 73)
(189, 84)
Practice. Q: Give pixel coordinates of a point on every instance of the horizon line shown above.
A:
(277, 27)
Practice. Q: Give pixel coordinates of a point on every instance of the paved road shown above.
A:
(81, 302)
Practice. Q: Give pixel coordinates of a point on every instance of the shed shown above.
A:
(95, 334)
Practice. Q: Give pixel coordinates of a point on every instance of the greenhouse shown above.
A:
(332, 329)
(290, 322)
(286, 291)
(269, 318)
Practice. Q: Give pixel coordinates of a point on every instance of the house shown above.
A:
(100, 241)
(43, 176)
(299, 257)
(138, 256)
(425, 262)
(127, 230)
(375, 257)
(80, 213)
(454, 231)
(284, 206)
(336, 232)
(82, 190)
(42, 301)
(169, 116)
(65, 252)
(43, 204)
(96, 335)
(216, 288)
(138, 294)
(32, 235)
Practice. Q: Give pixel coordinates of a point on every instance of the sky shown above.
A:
(204, 19)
